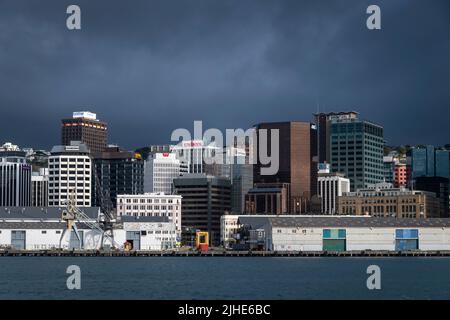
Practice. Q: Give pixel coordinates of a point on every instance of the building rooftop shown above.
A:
(75, 147)
(319, 221)
(38, 213)
(84, 115)
(357, 222)
(39, 225)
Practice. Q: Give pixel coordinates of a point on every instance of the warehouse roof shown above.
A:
(38, 225)
(357, 222)
(258, 221)
(255, 222)
(41, 213)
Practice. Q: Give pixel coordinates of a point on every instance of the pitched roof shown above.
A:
(42, 212)
(358, 222)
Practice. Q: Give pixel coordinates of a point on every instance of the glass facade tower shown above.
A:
(356, 149)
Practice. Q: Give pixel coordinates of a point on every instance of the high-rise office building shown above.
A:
(85, 127)
(297, 161)
(442, 163)
(421, 161)
(438, 186)
(69, 173)
(356, 150)
(323, 123)
(117, 172)
(39, 181)
(204, 200)
(159, 171)
(428, 161)
(193, 154)
(240, 172)
(15, 178)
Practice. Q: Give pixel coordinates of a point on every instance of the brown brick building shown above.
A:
(268, 198)
(297, 159)
(85, 127)
(393, 202)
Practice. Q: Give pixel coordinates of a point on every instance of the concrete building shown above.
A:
(268, 198)
(330, 187)
(297, 161)
(85, 127)
(151, 205)
(356, 150)
(389, 164)
(159, 171)
(117, 172)
(39, 182)
(329, 233)
(402, 175)
(15, 177)
(230, 228)
(205, 200)
(389, 202)
(149, 233)
(70, 171)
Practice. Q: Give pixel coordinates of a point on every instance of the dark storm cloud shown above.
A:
(148, 67)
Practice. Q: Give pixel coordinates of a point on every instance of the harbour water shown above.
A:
(223, 278)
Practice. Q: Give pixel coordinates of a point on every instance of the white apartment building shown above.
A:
(151, 205)
(159, 171)
(8, 146)
(330, 186)
(39, 182)
(70, 172)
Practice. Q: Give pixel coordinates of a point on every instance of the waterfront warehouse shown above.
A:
(33, 228)
(331, 233)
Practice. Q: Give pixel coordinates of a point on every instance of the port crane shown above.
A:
(104, 225)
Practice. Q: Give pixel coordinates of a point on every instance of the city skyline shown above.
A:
(150, 68)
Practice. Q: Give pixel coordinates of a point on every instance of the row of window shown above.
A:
(150, 208)
(121, 200)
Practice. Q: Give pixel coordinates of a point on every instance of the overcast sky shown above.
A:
(149, 67)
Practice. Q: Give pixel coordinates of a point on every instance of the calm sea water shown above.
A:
(223, 278)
